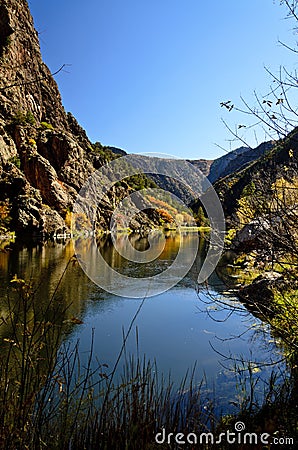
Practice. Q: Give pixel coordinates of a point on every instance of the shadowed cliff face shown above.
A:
(26, 82)
(45, 156)
(39, 143)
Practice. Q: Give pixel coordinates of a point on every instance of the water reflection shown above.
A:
(171, 327)
(137, 266)
(43, 267)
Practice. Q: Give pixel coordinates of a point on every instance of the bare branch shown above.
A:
(37, 80)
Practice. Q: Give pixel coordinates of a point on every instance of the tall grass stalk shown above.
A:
(50, 399)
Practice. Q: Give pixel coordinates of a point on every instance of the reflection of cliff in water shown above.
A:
(59, 311)
(44, 266)
(41, 303)
(168, 252)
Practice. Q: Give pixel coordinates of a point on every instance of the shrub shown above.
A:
(29, 118)
(46, 126)
(16, 161)
(165, 216)
(23, 118)
(5, 217)
(32, 142)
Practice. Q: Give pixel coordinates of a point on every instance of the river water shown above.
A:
(179, 329)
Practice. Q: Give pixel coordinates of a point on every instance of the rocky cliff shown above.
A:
(45, 156)
(261, 208)
(236, 160)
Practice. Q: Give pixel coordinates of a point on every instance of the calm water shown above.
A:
(172, 328)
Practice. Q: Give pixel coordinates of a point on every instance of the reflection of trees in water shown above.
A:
(168, 248)
(44, 266)
(43, 301)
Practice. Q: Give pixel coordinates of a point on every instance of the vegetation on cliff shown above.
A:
(45, 155)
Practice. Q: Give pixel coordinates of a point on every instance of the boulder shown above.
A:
(258, 295)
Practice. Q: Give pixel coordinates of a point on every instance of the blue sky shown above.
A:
(149, 75)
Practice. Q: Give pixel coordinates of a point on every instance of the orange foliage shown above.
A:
(162, 204)
(165, 216)
(4, 210)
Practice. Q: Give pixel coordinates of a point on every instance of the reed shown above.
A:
(51, 399)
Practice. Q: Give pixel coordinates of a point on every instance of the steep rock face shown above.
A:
(203, 165)
(26, 83)
(35, 131)
(45, 155)
(236, 160)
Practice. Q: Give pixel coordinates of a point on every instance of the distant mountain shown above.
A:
(236, 160)
(203, 165)
(220, 167)
(231, 162)
(258, 178)
(213, 169)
